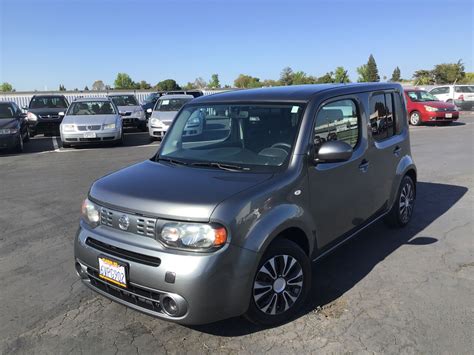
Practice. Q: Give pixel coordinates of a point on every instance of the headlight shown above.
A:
(30, 116)
(430, 109)
(90, 213)
(193, 122)
(68, 127)
(155, 122)
(109, 126)
(9, 131)
(196, 236)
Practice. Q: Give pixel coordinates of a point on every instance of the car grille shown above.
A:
(137, 224)
(89, 128)
(446, 109)
(49, 117)
(133, 294)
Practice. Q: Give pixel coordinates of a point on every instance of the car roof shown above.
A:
(299, 93)
(176, 96)
(117, 94)
(85, 99)
(48, 95)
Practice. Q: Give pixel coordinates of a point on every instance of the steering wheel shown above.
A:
(285, 146)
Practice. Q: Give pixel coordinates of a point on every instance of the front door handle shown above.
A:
(364, 166)
(397, 151)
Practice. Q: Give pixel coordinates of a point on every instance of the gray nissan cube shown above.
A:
(227, 222)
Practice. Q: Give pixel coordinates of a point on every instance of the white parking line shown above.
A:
(55, 144)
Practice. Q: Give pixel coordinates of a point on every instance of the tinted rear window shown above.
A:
(48, 102)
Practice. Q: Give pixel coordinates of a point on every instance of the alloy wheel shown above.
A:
(278, 284)
(415, 118)
(407, 198)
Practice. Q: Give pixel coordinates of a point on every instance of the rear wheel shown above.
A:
(402, 210)
(415, 118)
(280, 285)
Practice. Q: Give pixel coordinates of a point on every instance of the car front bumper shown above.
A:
(128, 121)
(8, 141)
(44, 126)
(100, 136)
(158, 131)
(208, 286)
(440, 116)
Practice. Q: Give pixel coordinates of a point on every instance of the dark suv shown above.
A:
(45, 113)
(227, 222)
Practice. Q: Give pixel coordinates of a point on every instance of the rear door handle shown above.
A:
(364, 166)
(397, 151)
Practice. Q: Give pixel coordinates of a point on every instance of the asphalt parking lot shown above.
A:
(387, 291)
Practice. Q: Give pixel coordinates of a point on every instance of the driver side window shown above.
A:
(337, 120)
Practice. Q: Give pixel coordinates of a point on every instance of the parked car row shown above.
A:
(460, 95)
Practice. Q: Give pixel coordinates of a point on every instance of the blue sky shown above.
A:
(48, 42)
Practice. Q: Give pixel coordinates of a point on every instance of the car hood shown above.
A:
(129, 108)
(164, 116)
(47, 111)
(89, 119)
(8, 123)
(171, 192)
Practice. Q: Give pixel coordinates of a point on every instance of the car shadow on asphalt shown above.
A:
(345, 267)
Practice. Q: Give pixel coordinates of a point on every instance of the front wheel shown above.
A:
(402, 210)
(19, 144)
(415, 118)
(281, 283)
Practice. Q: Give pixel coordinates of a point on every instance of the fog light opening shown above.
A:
(170, 306)
(80, 272)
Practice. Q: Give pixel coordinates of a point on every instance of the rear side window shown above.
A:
(338, 120)
(464, 89)
(440, 91)
(382, 117)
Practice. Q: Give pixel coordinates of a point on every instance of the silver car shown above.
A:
(91, 120)
(164, 112)
(132, 113)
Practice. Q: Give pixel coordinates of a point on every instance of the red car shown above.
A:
(423, 107)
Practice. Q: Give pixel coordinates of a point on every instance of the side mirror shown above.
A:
(25, 108)
(149, 110)
(61, 113)
(333, 152)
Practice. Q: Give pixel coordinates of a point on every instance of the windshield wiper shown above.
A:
(222, 166)
(172, 161)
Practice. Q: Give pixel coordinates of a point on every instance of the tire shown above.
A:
(66, 145)
(279, 288)
(19, 144)
(399, 216)
(27, 136)
(415, 118)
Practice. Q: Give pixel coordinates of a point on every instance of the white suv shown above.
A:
(461, 95)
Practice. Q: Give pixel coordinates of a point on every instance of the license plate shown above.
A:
(89, 135)
(449, 115)
(113, 271)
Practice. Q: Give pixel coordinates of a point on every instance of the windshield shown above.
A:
(421, 96)
(124, 100)
(257, 136)
(150, 98)
(48, 102)
(170, 104)
(6, 111)
(91, 108)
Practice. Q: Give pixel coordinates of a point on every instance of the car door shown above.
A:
(340, 192)
(386, 145)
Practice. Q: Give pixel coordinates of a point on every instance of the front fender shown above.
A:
(405, 164)
(279, 218)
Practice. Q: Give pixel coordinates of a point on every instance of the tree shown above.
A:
(98, 85)
(6, 87)
(327, 78)
(363, 73)
(423, 77)
(468, 78)
(449, 73)
(200, 83)
(340, 75)
(247, 81)
(372, 71)
(270, 83)
(189, 86)
(286, 76)
(61, 87)
(167, 85)
(396, 75)
(143, 85)
(86, 88)
(123, 81)
(214, 83)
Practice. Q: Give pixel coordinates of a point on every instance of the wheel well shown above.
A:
(412, 174)
(297, 236)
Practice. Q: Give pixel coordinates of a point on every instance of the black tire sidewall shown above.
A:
(279, 247)
(406, 179)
